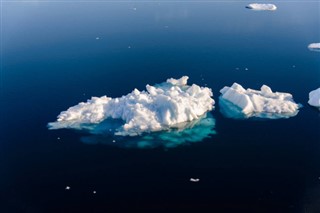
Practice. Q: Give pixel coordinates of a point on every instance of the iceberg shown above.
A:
(314, 47)
(314, 98)
(257, 6)
(171, 104)
(239, 103)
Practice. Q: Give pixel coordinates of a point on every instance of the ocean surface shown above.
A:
(55, 54)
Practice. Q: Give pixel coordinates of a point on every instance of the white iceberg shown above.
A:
(258, 6)
(237, 102)
(314, 47)
(171, 104)
(314, 98)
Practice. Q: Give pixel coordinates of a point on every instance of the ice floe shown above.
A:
(194, 179)
(314, 98)
(258, 6)
(314, 47)
(237, 102)
(171, 104)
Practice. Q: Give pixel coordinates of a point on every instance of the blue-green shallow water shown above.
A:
(52, 60)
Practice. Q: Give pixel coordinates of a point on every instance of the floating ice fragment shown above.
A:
(257, 6)
(94, 192)
(67, 188)
(314, 98)
(194, 179)
(97, 38)
(161, 107)
(237, 102)
(314, 47)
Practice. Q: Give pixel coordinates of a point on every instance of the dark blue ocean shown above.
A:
(55, 54)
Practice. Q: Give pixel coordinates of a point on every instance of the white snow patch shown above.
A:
(314, 98)
(257, 6)
(163, 106)
(238, 102)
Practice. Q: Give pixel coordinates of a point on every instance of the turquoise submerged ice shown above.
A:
(192, 132)
(171, 104)
(237, 102)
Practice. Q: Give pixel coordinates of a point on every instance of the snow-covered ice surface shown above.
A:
(257, 6)
(314, 98)
(239, 103)
(314, 47)
(168, 105)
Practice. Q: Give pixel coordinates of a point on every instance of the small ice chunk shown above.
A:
(94, 192)
(314, 47)
(178, 82)
(97, 38)
(194, 179)
(237, 102)
(314, 98)
(67, 188)
(113, 141)
(258, 6)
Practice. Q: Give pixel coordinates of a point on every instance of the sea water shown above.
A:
(57, 54)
